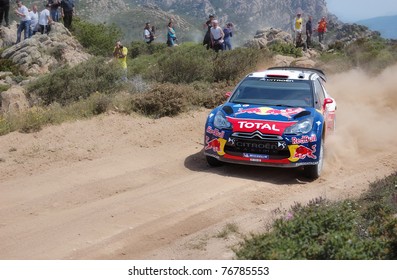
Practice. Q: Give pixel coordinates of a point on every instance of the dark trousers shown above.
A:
(45, 28)
(67, 19)
(4, 11)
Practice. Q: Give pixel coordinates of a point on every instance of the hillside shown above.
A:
(385, 25)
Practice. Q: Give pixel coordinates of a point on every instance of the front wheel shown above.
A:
(314, 171)
(213, 161)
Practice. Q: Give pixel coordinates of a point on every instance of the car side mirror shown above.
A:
(228, 94)
(327, 101)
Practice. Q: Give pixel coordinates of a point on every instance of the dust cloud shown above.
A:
(366, 115)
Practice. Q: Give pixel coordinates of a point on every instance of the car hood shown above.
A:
(266, 119)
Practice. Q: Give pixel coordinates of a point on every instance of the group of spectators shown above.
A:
(298, 29)
(32, 21)
(215, 37)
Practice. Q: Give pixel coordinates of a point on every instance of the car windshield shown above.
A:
(274, 92)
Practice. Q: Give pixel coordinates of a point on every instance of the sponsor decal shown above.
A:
(266, 127)
(216, 145)
(215, 132)
(318, 123)
(299, 152)
(263, 111)
(237, 105)
(257, 156)
(304, 140)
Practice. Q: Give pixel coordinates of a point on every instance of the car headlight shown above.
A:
(221, 122)
(301, 127)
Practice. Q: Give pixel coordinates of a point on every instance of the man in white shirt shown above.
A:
(24, 25)
(45, 20)
(217, 36)
(34, 20)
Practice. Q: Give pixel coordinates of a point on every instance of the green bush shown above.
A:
(232, 65)
(185, 64)
(286, 49)
(6, 65)
(138, 48)
(363, 229)
(71, 84)
(99, 39)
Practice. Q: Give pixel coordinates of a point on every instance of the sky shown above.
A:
(354, 10)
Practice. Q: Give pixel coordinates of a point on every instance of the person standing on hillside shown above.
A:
(54, 9)
(322, 28)
(34, 20)
(207, 26)
(148, 33)
(217, 36)
(24, 24)
(120, 54)
(171, 35)
(298, 25)
(67, 11)
(45, 20)
(4, 12)
(309, 32)
(228, 31)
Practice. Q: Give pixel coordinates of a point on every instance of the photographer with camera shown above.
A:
(120, 53)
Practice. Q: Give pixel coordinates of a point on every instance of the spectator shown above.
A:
(24, 24)
(120, 53)
(228, 31)
(207, 26)
(148, 33)
(67, 10)
(34, 21)
(217, 36)
(309, 32)
(171, 36)
(4, 12)
(45, 20)
(54, 9)
(322, 28)
(298, 24)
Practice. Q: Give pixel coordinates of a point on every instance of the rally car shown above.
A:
(279, 117)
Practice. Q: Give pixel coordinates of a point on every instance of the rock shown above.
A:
(5, 74)
(281, 60)
(267, 37)
(8, 36)
(304, 62)
(14, 100)
(42, 53)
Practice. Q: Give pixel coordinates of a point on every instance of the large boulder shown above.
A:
(267, 37)
(8, 35)
(42, 53)
(13, 100)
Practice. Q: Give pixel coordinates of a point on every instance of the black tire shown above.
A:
(213, 162)
(314, 171)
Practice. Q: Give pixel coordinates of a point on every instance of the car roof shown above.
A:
(294, 73)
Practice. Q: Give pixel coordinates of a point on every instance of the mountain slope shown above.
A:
(385, 25)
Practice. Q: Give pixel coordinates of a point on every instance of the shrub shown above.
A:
(99, 39)
(185, 64)
(71, 84)
(7, 65)
(138, 48)
(363, 229)
(231, 65)
(286, 49)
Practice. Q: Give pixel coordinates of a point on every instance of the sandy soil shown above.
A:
(127, 187)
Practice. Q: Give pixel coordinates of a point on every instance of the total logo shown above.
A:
(267, 127)
(258, 126)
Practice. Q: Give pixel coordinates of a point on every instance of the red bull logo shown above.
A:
(288, 113)
(216, 145)
(304, 140)
(301, 152)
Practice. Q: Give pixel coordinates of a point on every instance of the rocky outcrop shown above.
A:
(8, 35)
(42, 53)
(13, 100)
(267, 37)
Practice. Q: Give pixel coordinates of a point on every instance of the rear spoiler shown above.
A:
(303, 69)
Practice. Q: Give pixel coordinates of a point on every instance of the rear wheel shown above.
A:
(213, 161)
(314, 171)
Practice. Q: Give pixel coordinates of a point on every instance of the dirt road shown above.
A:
(127, 187)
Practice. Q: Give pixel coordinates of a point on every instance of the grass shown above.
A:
(365, 228)
(228, 229)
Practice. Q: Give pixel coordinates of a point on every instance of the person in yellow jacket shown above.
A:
(120, 53)
(298, 25)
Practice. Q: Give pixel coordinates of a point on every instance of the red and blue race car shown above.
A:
(279, 117)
